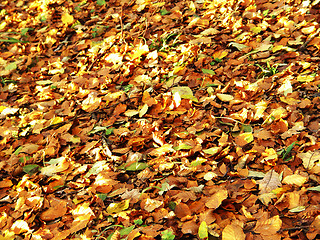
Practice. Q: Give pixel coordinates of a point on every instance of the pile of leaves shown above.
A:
(159, 119)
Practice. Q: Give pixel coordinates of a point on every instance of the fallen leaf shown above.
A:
(216, 199)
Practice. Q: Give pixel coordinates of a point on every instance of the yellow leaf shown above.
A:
(143, 110)
(216, 199)
(256, 30)
(295, 179)
(118, 207)
(305, 78)
(162, 150)
(131, 112)
(56, 120)
(225, 97)
(268, 227)
(139, 51)
(219, 54)
(2, 108)
(285, 88)
(184, 92)
(67, 19)
(309, 159)
(233, 231)
(277, 48)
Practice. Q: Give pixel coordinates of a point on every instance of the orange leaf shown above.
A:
(216, 199)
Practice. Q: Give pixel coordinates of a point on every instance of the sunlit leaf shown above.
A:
(184, 92)
(203, 230)
(212, 151)
(137, 166)
(317, 188)
(143, 110)
(225, 97)
(295, 179)
(96, 168)
(198, 161)
(182, 146)
(297, 209)
(11, 66)
(67, 19)
(208, 71)
(238, 46)
(118, 207)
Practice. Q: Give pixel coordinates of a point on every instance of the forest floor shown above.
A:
(159, 119)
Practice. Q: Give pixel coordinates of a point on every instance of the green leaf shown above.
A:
(127, 87)
(212, 85)
(208, 71)
(317, 188)
(11, 66)
(265, 12)
(24, 31)
(172, 205)
(164, 12)
(138, 221)
(31, 168)
(16, 152)
(57, 187)
(126, 231)
(167, 235)
(101, 2)
(288, 150)
(137, 166)
(212, 150)
(203, 230)
(246, 128)
(102, 196)
(198, 161)
(109, 131)
(182, 146)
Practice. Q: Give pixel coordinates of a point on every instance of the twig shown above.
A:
(304, 46)
(294, 228)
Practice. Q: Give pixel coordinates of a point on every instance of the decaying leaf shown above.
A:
(270, 182)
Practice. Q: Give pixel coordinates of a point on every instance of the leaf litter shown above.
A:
(159, 120)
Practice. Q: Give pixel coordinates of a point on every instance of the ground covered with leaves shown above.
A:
(159, 119)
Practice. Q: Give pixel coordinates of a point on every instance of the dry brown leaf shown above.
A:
(233, 231)
(270, 182)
